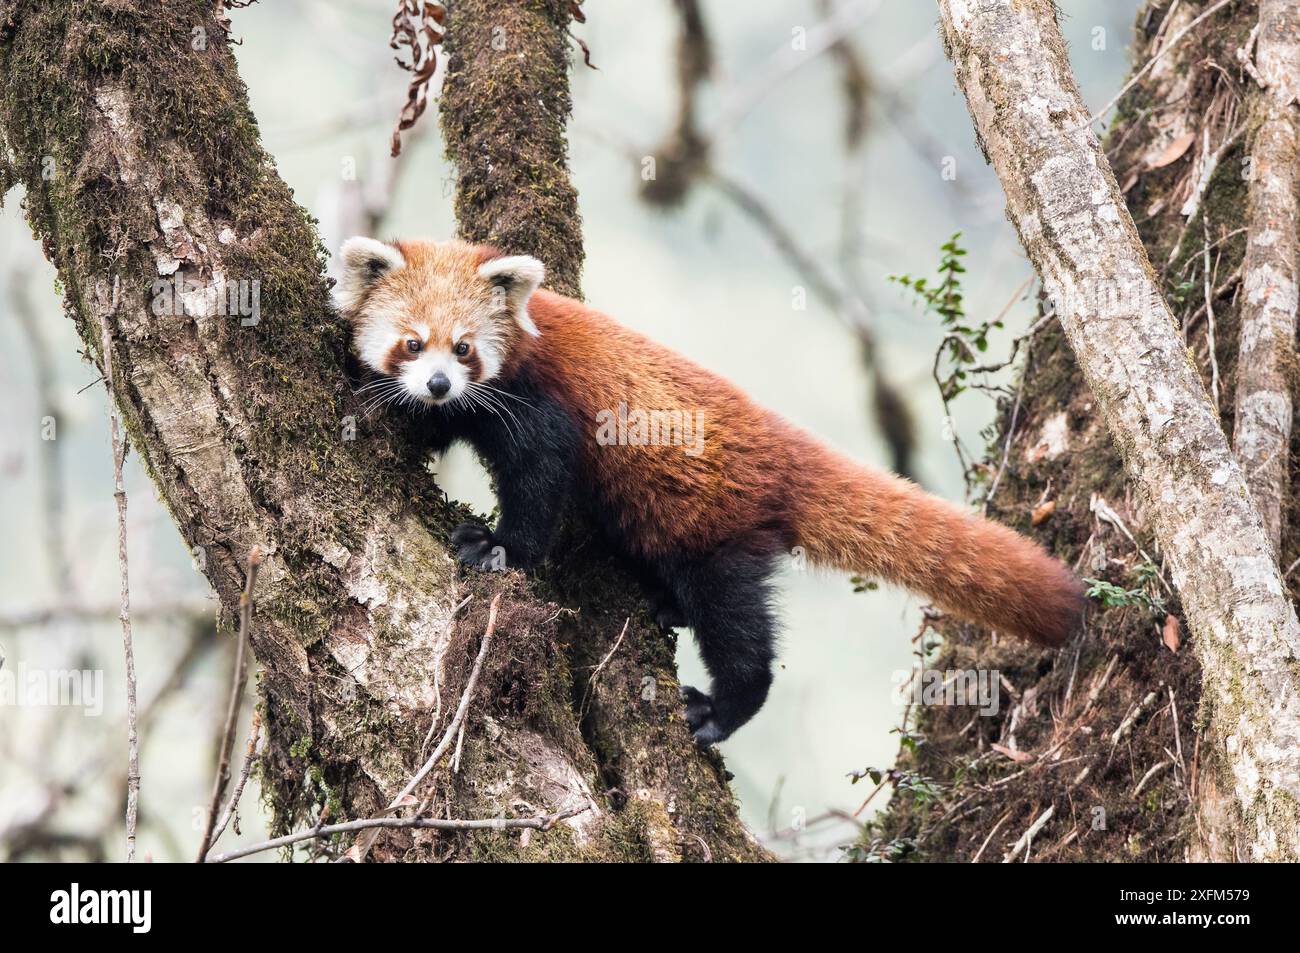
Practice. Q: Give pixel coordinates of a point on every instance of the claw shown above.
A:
(667, 615)
(476, 547)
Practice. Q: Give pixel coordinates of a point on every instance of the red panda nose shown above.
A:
(439, 384)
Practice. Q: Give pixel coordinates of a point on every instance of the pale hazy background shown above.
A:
(702, 280)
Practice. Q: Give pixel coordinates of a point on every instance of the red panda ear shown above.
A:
(515, 278)
(365, 261)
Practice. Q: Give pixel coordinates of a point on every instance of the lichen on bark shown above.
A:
(128, 127)
(1108, 813)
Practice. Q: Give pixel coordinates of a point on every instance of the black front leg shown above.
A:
(726, 598)
(532, 455)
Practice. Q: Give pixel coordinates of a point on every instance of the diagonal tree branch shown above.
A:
(1011, 64)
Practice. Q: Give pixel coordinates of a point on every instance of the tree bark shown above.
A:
(1011, 64)
(1262, 435)
(505, 103)
(129, 128)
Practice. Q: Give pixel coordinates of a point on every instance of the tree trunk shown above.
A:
(1107, 734)
(1268, 318)
(146, 183)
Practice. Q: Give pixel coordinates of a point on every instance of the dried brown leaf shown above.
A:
(417, 27)
(586, 50)
(1173, 152)
(1020, 757)
(1172, 634)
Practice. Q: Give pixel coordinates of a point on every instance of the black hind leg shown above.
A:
(664, 609)
(725, 598)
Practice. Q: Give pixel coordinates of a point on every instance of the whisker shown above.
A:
(500, 408)
(481, 400)
(497, 390)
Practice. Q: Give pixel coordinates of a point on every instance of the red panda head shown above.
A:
(438, 318)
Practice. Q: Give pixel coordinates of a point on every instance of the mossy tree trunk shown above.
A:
(1123, 736)
(129, 128)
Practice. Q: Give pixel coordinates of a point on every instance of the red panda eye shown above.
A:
(413, 345)
(462, 348)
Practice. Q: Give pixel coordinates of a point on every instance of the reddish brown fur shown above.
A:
(757, 470)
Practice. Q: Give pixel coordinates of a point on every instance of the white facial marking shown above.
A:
(415, 376)
(375, 340)
(489, 355)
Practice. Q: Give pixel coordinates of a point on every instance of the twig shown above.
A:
(542, 822)
(405, 798)
(460, 743)
(1209, 319)
(980, 852)
(1150, 63)
(1126, 725)
(69, 614)
(874, 791)
(1064, 842)
(461, 710)
(1028, 836)
(1074, 670)
(1042, 321)
(128, 646)
(437, 689)
(1155, 769)
(1095, 693)
(1209, 162)
(1011, 430)
(1098, 505)
(1178, 740)
(254, 732)
(1219, 292)
(582, 709)
(233, 705)
(967, 464)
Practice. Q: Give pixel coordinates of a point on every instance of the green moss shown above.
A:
(513, 188)
(284, 386)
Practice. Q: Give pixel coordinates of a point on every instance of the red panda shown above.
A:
(701, 488)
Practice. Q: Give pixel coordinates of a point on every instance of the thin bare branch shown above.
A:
(235, 701)
(461, 710)
(250, 755)
(542, 822)
(128, 645)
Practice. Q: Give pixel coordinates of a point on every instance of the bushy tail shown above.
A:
(878, 525)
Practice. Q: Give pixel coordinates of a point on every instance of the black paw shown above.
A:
(700, 717)
(666, 613)
(476, 547)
